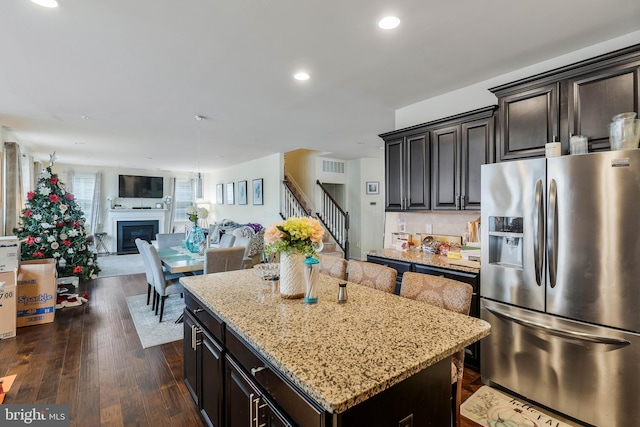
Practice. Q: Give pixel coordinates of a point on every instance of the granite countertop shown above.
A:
(339, 354)
(420, 257)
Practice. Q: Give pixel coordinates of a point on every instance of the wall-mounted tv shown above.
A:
(148, 187)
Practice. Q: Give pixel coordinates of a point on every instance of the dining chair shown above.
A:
(167, 240)
(217, 260)
(226, 240)
(333, 266)
(149, 272)
(450, 295)
(163, 287)
(373, 275)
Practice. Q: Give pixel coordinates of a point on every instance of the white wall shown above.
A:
(478, 95)
(270, 170)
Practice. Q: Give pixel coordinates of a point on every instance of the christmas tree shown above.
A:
(52, 226)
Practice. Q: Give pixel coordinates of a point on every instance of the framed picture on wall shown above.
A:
(242, 192)
(231, 193)
(257, 191)
(220, 194)
(373, 187)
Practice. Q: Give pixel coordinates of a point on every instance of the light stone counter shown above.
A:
(419, 257)
(339, 354)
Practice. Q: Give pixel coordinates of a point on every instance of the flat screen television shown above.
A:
(148, 187)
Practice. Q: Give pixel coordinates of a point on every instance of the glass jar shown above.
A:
(311, 277)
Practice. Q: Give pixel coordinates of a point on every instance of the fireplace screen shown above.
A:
(129, 231)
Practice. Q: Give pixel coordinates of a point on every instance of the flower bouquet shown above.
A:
(293, 239)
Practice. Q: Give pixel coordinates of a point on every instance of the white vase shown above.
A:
(292, 283)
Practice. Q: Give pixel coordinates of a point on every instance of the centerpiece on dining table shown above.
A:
(195, 237)
(293, 239)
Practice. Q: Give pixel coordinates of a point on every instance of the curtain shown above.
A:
(37, 168)
(13, 179)
(172, 205)
(96, 220)
(69, 183)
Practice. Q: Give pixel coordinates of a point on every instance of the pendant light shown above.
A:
(199, 185)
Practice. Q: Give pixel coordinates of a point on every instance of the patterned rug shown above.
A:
(150, 331)
(490, 407)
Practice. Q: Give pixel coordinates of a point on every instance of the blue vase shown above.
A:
(194, 238)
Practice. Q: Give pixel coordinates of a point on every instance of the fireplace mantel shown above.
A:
(115, 215)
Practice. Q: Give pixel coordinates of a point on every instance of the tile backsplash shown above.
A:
(447, 222)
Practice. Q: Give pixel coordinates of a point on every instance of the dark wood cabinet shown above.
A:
(458, 150)
(577, 99)
(407, 171)
(528, 120)
(203, 369)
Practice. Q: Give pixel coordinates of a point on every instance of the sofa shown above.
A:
(253, 231)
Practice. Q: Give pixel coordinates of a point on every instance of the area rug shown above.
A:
(120, 265)
(150, 330)
(490, 407)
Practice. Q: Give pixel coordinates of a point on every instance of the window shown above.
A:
(184, 198)
(83, 184)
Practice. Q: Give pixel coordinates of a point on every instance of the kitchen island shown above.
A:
(377, 360)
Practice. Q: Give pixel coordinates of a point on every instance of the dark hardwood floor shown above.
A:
(91, 358)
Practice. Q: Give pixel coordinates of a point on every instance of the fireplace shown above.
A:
(129, 231)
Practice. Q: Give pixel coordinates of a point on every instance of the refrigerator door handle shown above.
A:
(552, 233)
(538, 241)
(564, 333)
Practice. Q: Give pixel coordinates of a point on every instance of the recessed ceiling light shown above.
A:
(301, 76)
(389, 22)
(46, 3)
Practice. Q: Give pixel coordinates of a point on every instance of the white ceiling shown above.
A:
(140, 70)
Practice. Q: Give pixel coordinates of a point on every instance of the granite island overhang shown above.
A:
(339, 355)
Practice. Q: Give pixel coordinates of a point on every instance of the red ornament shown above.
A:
(66, 242)
(77, 269)
(60, 224)
(68, 196)
(54, 198)
(28, 213)
(31, 195)
(38, 254)
(30, 240)
(53, 180)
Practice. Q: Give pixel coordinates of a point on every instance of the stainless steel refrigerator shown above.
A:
(560, 283)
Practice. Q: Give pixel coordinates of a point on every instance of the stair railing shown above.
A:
(291, 205)
(334, 219)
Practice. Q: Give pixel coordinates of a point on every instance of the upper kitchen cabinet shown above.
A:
(528, 120)
(460, 145)
(576, 99)
(407, 170)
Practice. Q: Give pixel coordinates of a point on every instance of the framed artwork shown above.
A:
(373, 187)
(242, 192)
(257, 192)
(231, 192)
(220, 194)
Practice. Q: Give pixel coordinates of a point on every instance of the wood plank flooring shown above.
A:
(91, 358)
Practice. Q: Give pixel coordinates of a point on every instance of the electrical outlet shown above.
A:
(429, 228)
(406, 421)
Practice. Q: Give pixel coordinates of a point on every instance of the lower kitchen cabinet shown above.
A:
(203, 363)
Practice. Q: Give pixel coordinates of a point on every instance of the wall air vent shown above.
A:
(332, 166)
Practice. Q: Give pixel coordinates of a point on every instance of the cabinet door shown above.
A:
(476, 145)
(394, 168)
(418, 172)
(446, 167)
(241, 396)
(595, 98)
(190, 357)
(211, 376)
(528, 120)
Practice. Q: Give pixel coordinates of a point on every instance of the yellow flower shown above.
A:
(303, 234)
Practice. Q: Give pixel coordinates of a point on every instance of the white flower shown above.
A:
(191, 210)
(73, 232)
(70, 250)
(46, 225)
(67, 217)
(202, 212)
(55, 245)
(56, 254)
(51, 239)
(37, 217)
(44, 190)
(45, 174)
(62, 262)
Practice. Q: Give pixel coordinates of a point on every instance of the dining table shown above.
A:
(177, 259)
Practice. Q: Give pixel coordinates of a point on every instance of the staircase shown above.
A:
(295, 204)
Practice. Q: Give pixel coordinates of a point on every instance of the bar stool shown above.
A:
(101, 248)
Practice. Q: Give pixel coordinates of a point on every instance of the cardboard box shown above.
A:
(36, 292)
(8, 280)
(9, 253)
